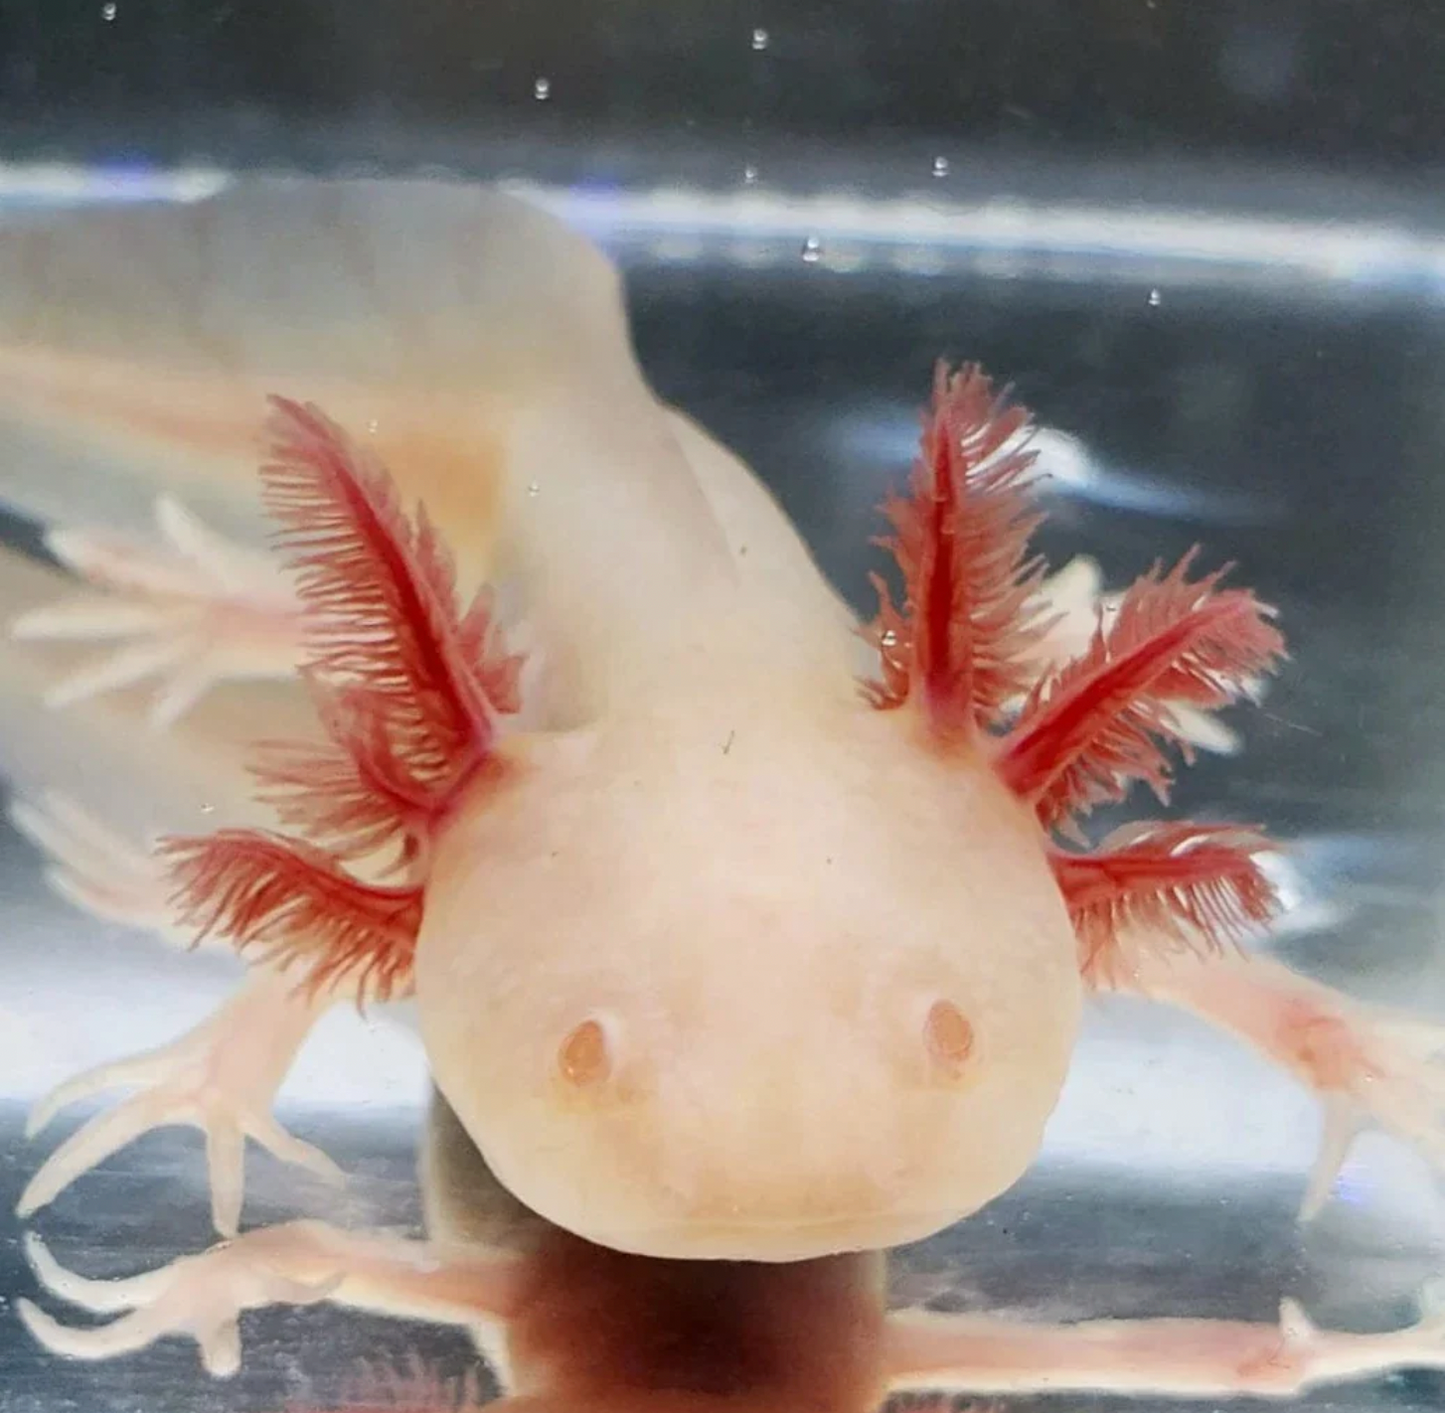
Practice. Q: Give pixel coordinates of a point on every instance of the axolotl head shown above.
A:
(767, 997)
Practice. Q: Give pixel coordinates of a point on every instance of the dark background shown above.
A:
(1338, 81)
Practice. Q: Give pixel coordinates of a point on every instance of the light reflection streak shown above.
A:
(1141, 243)
(1068, 469)
(1012, 238)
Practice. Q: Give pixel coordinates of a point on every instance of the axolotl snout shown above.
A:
(734, 928)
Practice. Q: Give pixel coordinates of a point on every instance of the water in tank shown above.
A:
(711, 942)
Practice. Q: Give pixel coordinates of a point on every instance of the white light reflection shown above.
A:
(1158, 1092)
(887, 437)
(80, 993)
(49, 185)
(1006, 237)
(1304, 910)
(1015, 238)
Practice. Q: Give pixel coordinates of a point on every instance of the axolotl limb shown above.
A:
(564, 1324)
(713, 956)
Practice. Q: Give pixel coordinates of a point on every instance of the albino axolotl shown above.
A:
(721, 944)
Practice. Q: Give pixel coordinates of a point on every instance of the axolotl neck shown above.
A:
(642, 555)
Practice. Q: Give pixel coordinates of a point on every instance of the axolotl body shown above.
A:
(732, 932)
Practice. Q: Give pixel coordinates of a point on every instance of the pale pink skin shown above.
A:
(765, 999)
(705, 838)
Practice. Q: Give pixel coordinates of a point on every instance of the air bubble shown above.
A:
(542, 89)
(533, 489)
(750, 175)
(940, 166)
(760, 40)
(107, 12)
(812, 250)
(1155, 299)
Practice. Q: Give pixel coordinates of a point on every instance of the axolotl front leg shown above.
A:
(1370, 1066)
(222, 1075)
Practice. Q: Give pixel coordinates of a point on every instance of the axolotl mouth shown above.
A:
(778, 1240)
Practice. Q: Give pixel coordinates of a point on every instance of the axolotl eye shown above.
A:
(585, 1056)
(949, 1038)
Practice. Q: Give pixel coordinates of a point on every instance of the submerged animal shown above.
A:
(723, 942)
